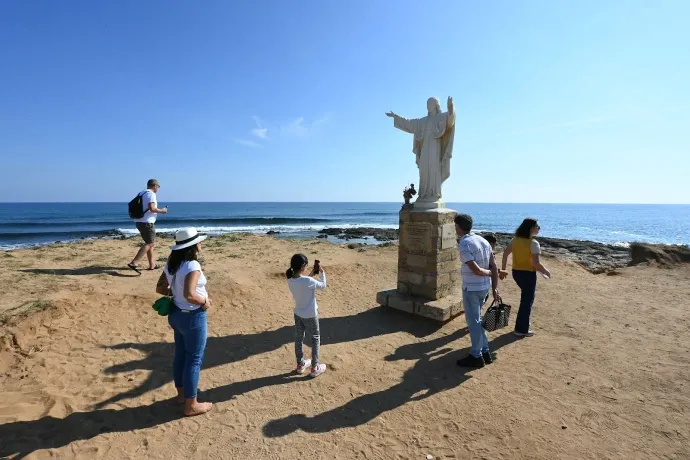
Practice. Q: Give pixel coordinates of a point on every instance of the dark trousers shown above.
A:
(527, 281)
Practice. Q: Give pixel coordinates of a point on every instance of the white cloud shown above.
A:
(259, 131)
(297, 127)
(300, 128)
(324, 119)
(294, 128)
(248, 143)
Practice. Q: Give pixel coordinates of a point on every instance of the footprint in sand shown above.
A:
(28, 406)
(593, 420)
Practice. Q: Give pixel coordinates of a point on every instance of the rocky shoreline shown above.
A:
(360, 233)
(594, 257)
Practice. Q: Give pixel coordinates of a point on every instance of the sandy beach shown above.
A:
(85, 363)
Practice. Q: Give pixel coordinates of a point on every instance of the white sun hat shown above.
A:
(187, 237)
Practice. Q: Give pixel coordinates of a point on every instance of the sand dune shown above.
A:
(85, 364)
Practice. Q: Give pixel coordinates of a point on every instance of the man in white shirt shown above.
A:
(146, 225)
(479, 276)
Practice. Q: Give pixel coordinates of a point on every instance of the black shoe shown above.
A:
(488, 357)
(471, 361)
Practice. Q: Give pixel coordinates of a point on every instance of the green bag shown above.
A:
(165, 304)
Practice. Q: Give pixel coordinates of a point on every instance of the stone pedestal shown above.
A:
(428, 267)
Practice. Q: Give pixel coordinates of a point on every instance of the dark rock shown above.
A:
(355, 245)
(272, 232)
(322, 237)
(379, 234)
(595, 257)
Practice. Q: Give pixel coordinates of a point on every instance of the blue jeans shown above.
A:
(190, 343)
(472, 302)
(527, 281)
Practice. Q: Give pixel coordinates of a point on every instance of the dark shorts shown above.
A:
(147, 231)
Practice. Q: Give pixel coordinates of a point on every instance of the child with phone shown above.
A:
(303, 289)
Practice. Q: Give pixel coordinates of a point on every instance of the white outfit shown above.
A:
(304, 292)
(178, 284)
(147, 197)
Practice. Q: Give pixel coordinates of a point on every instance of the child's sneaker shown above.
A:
(318, 370)
(304, 366)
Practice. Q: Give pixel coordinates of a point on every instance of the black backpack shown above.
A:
(136, 207)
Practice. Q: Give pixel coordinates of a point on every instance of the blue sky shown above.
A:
(564, 101)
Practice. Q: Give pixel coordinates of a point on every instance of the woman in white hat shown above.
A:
(182, 277)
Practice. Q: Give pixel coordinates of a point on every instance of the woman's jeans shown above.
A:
(527, 281)
(190, 343)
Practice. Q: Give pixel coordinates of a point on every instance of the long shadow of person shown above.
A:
(428, 377)
(376, 321)
(429, 348)
(24, 438)
(433, 373)
(91, 270)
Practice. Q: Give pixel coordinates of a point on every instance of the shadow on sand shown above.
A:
(24, 438)
(374, 322)
(92, 270)
(433, 373)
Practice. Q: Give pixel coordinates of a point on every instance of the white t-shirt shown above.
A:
(534, 247)
(147, 197)
(304, 292)
(473, 247)
(178, 285)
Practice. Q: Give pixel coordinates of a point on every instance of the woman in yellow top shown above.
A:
(526, 264)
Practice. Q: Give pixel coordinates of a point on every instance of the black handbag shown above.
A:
(496, 316)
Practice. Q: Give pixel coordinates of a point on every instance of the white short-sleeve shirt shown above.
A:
(178, 284)
(147, 197)
(534, 247)
(473, 247)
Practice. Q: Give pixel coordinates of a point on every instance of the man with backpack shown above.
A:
(143, 209)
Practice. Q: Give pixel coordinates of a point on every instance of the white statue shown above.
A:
(433, 146)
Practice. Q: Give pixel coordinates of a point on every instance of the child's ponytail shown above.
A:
(297, 263)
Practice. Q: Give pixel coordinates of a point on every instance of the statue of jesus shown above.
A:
(433, 146)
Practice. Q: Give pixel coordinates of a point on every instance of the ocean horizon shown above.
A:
(25, 224)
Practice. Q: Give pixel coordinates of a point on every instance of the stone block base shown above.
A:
(428, 264)
(443, 309)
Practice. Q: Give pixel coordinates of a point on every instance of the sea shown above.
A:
(30, 224)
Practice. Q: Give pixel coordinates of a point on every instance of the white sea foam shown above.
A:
(258, 229)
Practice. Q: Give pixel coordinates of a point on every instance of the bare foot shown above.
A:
(197, 408)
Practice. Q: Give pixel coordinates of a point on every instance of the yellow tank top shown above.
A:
(522, 254)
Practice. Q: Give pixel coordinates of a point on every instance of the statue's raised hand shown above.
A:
(390, 114)
(450, 103)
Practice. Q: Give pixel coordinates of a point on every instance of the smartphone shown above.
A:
(317, 267)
